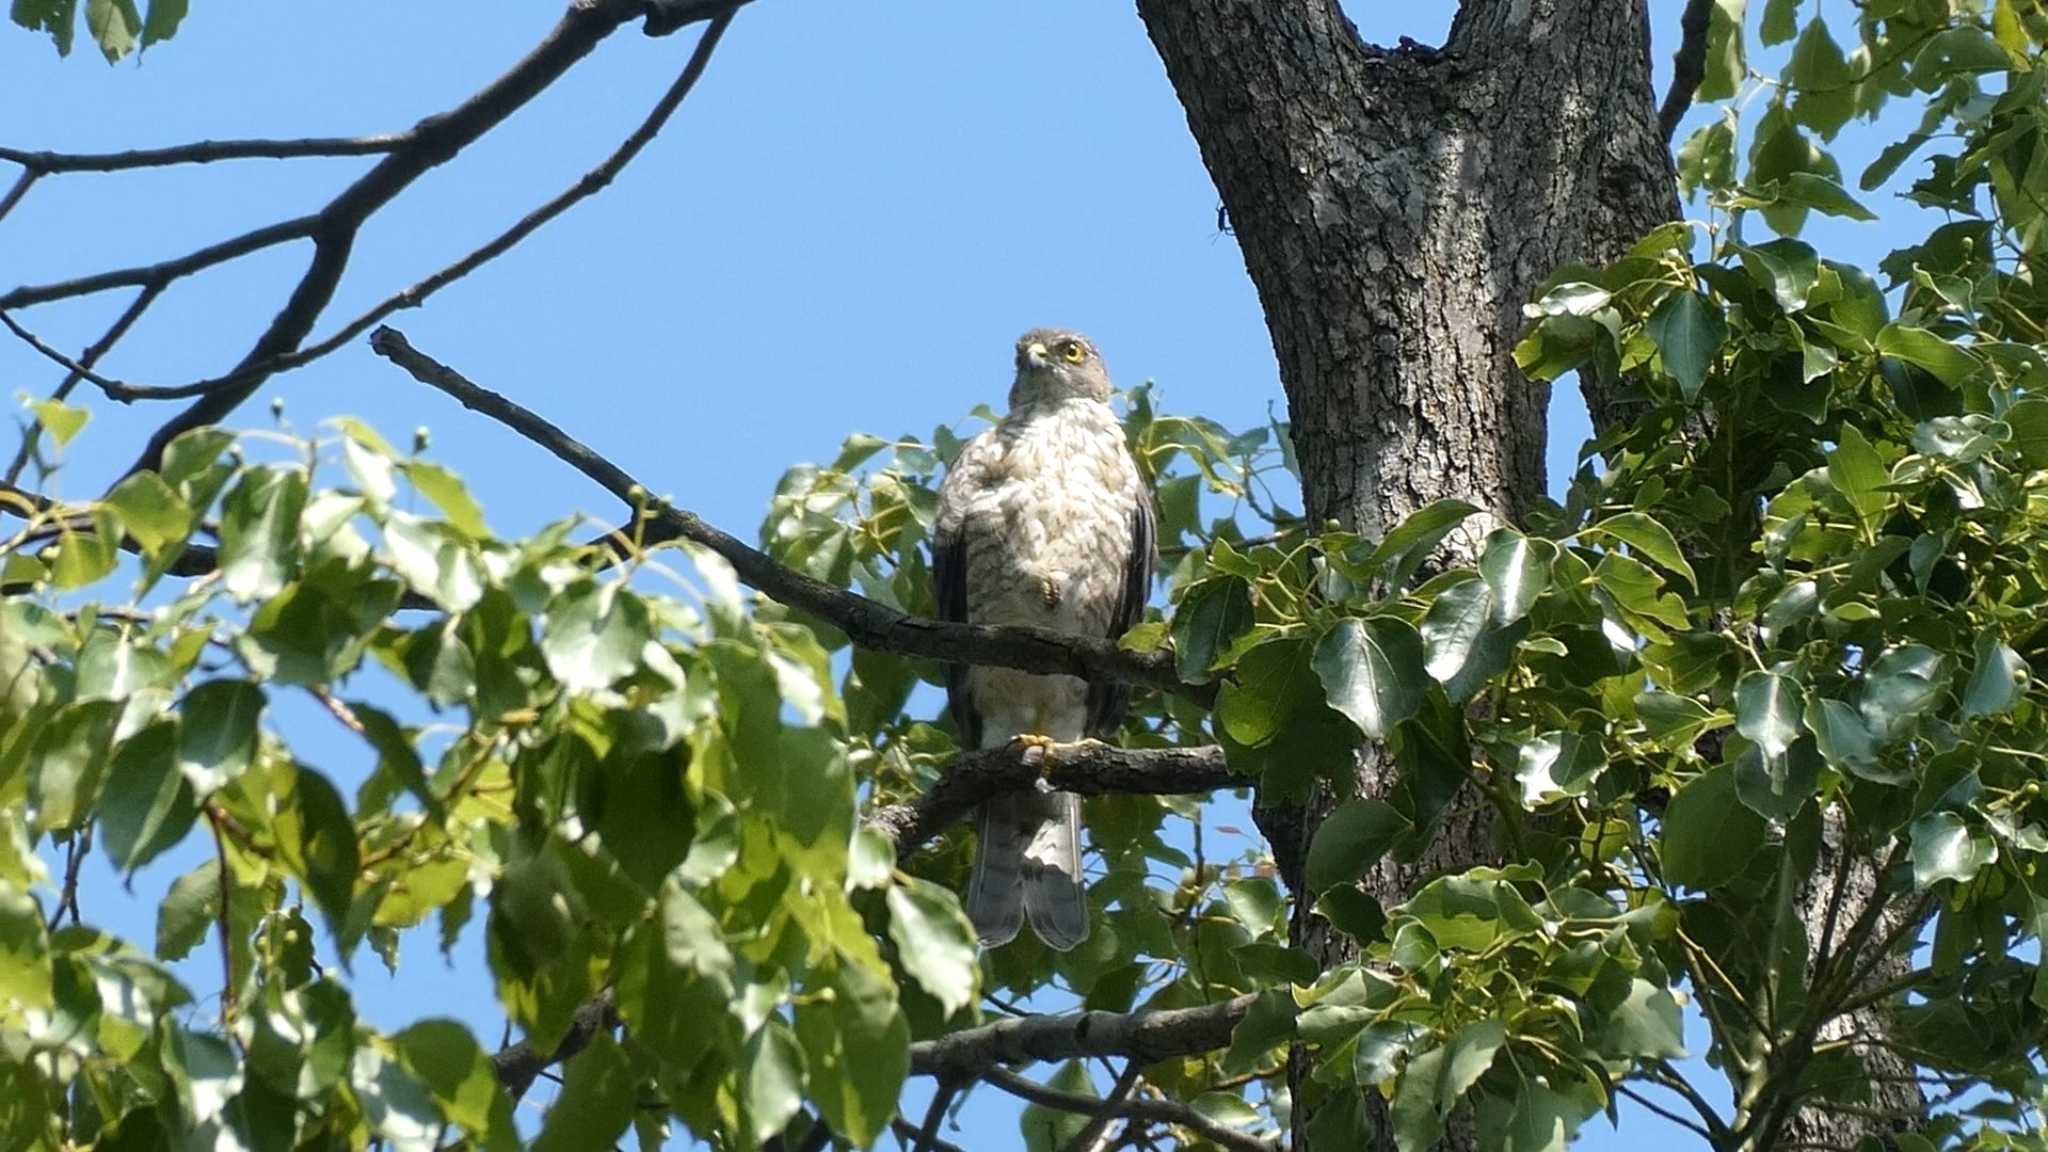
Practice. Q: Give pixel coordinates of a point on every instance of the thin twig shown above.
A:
(907, 1132)
(21, 186)
(942, 1096)
(199, 152)
(113, 388)
(74, 859)
(1688, 65)
(87, 359)
(1090, 1136)
(1159, 1111)
(164, 271)
(1666, 1113)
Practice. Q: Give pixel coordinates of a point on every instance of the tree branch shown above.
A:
(1688, 65)
(1089, 767)
(87, 359)
(868, 623)
(591, 183)
(518, 1065)
(164, 271)
(1090, 1138)
(22, 184)
(1157, 1111)
(1147, 1036)
(198, 152)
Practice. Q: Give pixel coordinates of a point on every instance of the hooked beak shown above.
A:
(1032, 354)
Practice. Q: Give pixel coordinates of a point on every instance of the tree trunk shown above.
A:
(1396, 209)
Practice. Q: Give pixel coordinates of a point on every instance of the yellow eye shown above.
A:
(1073, 353)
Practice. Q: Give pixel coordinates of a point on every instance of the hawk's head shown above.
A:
(1053, 364)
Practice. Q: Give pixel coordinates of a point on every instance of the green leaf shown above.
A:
(57, 17)
(115, 26)
(1826, 96)
(61, 420)
(70, 756)
(152, 513)
(318, 841)
(449, 494)
(217, 732)
(772, 1087)
(1768, 709)
(1453, 626)
(1648, 1025)
(1674, 721)
(1372, 672)
(594, 634)
(259, 531)
(1437, 1079)
(1349, 841)
(1212, 615)
(457, 1071)
(935, 941)
(25, 970)
(1709, 835)
(1688, 331)
(148, 804)
(1998, 681)
(164, 18)
(857, 1046)
(1415, 538)
(1651, 540)
(1917, 346)
(1267, 1024)
(1052, 1129)
(597, 1100)
(1944, 848)
(188, 910)
(1780, 23)
(1517, 569)
(1844, 741)
(1820, 193)
(1788, 268)
(2028, 420)
(1859, 475)
(1726, 62)
(1559, 764)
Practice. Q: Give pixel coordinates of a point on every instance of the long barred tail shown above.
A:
(1027, 862)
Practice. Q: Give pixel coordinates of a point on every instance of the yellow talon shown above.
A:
(1032, 746)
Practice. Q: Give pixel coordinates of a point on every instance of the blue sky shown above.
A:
(843, 229)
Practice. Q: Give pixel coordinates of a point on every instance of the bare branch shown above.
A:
(198, 152)
(518, 1065)
(1147, 1036)
(87, 359)
(77, 369)
(164, 271)
(867, 622)
(1688, 65)
(1157, 1111)
(907, 1132)
(1090, 1138)
(432, 142)
(1089, 767)
(592, 182)
(927, 1138)
(21, 186)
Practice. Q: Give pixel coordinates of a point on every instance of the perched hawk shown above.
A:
(1043, 520)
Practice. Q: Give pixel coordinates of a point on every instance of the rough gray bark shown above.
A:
(1396, 209)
